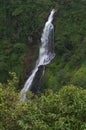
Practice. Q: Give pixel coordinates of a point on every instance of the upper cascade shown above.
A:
(46, 53)
(50, 18)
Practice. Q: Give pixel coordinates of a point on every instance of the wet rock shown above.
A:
(37, 79)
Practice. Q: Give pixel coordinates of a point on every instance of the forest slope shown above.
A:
(21, 21)
(56, 107)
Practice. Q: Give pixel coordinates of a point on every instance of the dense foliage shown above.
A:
(65, 110)
(23, 19)
(56, 107)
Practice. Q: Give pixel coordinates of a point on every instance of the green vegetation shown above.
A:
(11, 58)
(51, 111)
(61, 103)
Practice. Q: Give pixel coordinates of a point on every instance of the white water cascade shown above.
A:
(46, 53)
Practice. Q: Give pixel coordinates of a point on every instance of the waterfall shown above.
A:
(46, 53)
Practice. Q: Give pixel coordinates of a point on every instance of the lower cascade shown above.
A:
(46, 54)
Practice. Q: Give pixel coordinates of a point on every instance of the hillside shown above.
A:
(64, 81)
(19, 23)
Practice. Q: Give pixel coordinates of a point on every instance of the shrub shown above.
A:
(65, 110)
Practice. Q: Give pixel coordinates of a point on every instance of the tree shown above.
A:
(51, 111)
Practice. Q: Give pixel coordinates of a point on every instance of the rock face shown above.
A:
(35, 86)
(30, 39)
(29, 62)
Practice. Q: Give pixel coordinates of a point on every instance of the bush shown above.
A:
(65, 110)
(79, 77)
(8, 101)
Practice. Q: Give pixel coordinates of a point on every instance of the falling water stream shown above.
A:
(46, 53)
